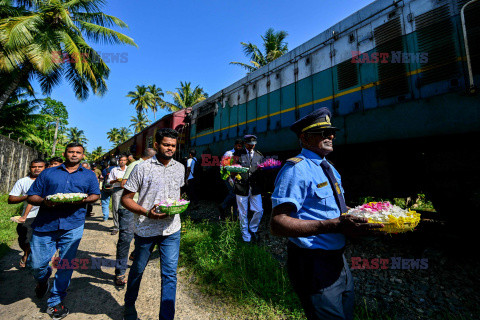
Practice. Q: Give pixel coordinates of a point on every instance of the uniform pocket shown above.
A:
(324, 192)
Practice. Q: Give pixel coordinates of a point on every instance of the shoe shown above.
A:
(57, 312)
(130, 313)
(114, 232)
(255, 237)
(41, 289)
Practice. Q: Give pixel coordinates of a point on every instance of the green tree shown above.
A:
(77, 135)
(140, 122)
(113, 136)
(124, 134)
(274, 46)
(37, 36)
(97, 153)
(141, 98)
(57, 113)
(18, 121)
(186, 96)
(157, 100)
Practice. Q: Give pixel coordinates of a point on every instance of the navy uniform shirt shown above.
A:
(59, 180)
(305, 185)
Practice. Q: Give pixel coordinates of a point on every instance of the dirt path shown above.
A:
(92, 294)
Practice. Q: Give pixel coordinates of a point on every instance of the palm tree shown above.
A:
(141, 98)
(157, 94)
(274, 46)
(140, 122)
(39, 34)
(113, 135)
(77, 135)
(97, 153)
(124, 134)
(186, 97)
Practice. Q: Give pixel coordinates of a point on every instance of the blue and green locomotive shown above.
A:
(401, 84)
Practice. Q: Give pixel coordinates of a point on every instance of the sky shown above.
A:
(189, 40)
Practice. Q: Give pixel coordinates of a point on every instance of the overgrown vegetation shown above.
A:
(246, 273)
(7, 227)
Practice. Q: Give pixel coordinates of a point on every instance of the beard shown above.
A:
(164, 156)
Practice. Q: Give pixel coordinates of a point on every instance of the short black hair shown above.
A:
(238, 141)
(55, 159)
(38, 160)
(193, 152)
(74, 145)
(122, 156)
(165, 132)
(112, 162)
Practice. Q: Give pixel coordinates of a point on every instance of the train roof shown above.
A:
(317, 42)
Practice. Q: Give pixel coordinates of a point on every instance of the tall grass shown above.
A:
(7, 228)
(246, 273)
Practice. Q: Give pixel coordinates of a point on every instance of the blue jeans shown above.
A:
(44, 245)
(169, 251)
(125, 236)
(105, 196)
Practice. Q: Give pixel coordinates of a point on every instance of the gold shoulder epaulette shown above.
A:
(294, 160)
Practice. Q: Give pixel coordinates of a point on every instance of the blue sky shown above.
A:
(190, 40)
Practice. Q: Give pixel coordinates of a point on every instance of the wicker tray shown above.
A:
(172, 210)
(236, 169)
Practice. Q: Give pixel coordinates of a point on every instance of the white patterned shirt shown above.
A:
(154, 183)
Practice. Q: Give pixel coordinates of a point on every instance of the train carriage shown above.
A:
(402, 88)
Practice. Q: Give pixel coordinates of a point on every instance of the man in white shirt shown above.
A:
(191, 180)
(115, 179)
(230, 199)
(19, 194)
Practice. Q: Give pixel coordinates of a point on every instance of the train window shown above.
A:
(205, 122)
(149, 142)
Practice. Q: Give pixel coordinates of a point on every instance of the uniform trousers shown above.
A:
(255, 206)
(323, 282)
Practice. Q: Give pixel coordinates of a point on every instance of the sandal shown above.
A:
(120, 280)
(22, 263)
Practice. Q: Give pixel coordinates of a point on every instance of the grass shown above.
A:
(7, 228)
(247, 274)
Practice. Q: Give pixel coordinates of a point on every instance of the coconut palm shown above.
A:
(113, 135)
(140, 122)
(141, 98)
(157, 94)
(77, 135)
(124, 134)
(186, 97)
(40, 34)
(274, 46)
(97, 153)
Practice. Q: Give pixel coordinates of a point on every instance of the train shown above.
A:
(400, 78)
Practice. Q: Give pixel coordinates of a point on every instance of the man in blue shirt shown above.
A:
(59, 225)
(307, 206)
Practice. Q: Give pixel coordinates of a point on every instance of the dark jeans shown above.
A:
(229, 201)
(22, 237)
(125, 236)
(169, 251)
(323, 282)
(191, 191)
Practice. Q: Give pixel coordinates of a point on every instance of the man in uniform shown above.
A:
(307, 206)
(247, 189)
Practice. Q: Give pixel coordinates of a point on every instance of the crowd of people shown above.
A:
(308, 203)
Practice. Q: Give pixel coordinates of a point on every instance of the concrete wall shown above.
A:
(15, 159)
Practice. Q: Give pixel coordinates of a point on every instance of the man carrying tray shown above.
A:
(156, 179)
(307, 206)
(59, 225)
(247, 189)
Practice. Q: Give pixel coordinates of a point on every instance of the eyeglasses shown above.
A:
(326, 134)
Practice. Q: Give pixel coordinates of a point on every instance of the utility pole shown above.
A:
(55, 137)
